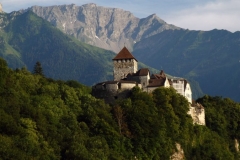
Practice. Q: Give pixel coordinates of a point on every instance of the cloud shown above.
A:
(219, 14)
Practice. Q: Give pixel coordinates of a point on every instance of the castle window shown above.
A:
(119, 85)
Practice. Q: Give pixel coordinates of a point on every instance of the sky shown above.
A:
(188, 14)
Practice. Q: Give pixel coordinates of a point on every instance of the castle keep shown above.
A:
(123, 64)
(126, 76)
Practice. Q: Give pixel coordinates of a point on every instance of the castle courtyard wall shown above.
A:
(127, 85)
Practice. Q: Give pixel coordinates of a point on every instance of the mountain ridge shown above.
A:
(165, 50)
(26, 38)
(102, 26)
(211, 58)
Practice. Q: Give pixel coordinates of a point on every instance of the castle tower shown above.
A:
(123, 64)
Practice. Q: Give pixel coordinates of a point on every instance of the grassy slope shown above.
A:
(211, 58)
(29, 39)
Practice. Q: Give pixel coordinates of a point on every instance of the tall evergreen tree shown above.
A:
(38, 69)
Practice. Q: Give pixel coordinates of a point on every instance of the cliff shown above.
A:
(1, 11)
(107, 28)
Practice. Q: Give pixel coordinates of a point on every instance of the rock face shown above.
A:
(197, 113)
(236, 145)
(178, 154)
(1, 11)
(108, 28)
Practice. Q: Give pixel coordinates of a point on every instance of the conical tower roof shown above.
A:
(124, 54)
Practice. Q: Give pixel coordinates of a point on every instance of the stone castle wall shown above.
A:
(123, 67)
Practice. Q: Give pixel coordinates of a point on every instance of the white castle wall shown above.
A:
(127, 85)
(188, 93)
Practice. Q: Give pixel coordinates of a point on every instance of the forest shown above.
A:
(43, 118)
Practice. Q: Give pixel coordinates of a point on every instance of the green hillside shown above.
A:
(47, 119)
(211, 58)
(27, 38)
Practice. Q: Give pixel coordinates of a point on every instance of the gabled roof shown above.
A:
(142, 72)
(124, 54)
(156, 82)
(158, 76)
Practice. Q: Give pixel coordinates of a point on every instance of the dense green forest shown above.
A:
(42, 118)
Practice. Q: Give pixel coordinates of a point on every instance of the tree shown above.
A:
(38, 69)
(119, 115)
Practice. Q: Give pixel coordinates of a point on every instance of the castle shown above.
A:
(126, 76)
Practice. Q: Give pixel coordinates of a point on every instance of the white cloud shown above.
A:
(220, 14)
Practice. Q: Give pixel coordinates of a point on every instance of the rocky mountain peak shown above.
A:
(90, 5)
(1, 11)
(153, 15)
(108, 28)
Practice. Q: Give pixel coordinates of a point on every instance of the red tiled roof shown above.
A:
(124, 54)
(158, 76)
(156, 82)
(142, 72)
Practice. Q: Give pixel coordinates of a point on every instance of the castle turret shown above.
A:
(123, 64)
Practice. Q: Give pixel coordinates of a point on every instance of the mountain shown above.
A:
(26, 38)
(108, 28)
(208, 57)
(212, 58)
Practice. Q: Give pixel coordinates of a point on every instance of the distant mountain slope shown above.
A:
(107, 28)
(26, 38)
(212, 58)
(33, 39)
